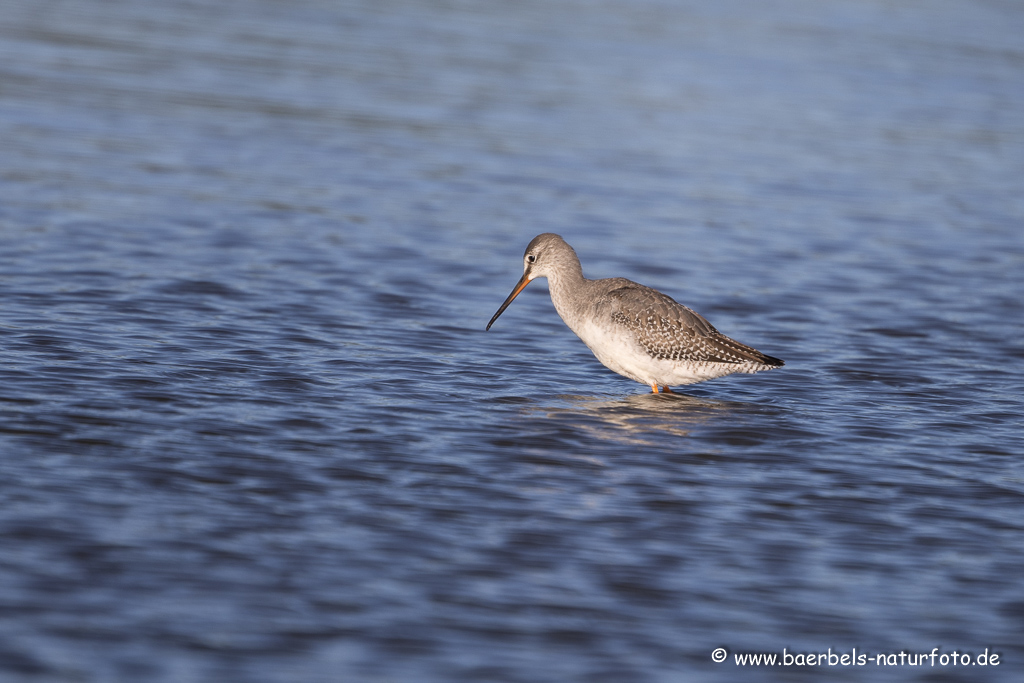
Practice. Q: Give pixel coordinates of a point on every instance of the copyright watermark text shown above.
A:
(854, 658)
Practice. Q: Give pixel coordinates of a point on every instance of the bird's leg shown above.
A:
(667, 390)
(654, 388)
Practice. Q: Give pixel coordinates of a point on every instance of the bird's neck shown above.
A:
(568, 277)
(567, 285)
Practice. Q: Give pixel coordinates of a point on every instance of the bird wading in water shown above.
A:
(634, 330)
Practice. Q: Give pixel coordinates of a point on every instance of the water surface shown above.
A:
(252, 429)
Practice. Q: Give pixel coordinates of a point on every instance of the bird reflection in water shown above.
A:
(640, 419)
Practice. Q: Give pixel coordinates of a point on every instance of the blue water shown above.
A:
(251, 426)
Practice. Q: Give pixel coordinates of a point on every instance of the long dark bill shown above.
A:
(520, 286)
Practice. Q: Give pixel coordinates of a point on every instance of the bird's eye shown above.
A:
(531, 258)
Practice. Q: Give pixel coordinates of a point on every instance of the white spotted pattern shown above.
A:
(634, 330)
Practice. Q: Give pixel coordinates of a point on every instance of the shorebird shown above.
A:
(634, 330)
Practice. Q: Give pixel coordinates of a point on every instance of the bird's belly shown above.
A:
(619, 351)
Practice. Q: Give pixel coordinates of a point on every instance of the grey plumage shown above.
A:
(668, 330)
(632, 329)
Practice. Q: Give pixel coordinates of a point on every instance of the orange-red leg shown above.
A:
(667, 390)
(654, 388)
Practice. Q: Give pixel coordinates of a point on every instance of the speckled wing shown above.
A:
(668, 330)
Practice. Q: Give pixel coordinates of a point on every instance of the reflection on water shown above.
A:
(251, 428)
(641, 419)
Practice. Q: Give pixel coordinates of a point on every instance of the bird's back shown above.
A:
(666, 329)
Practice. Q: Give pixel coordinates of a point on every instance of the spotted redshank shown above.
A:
(634, 330)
